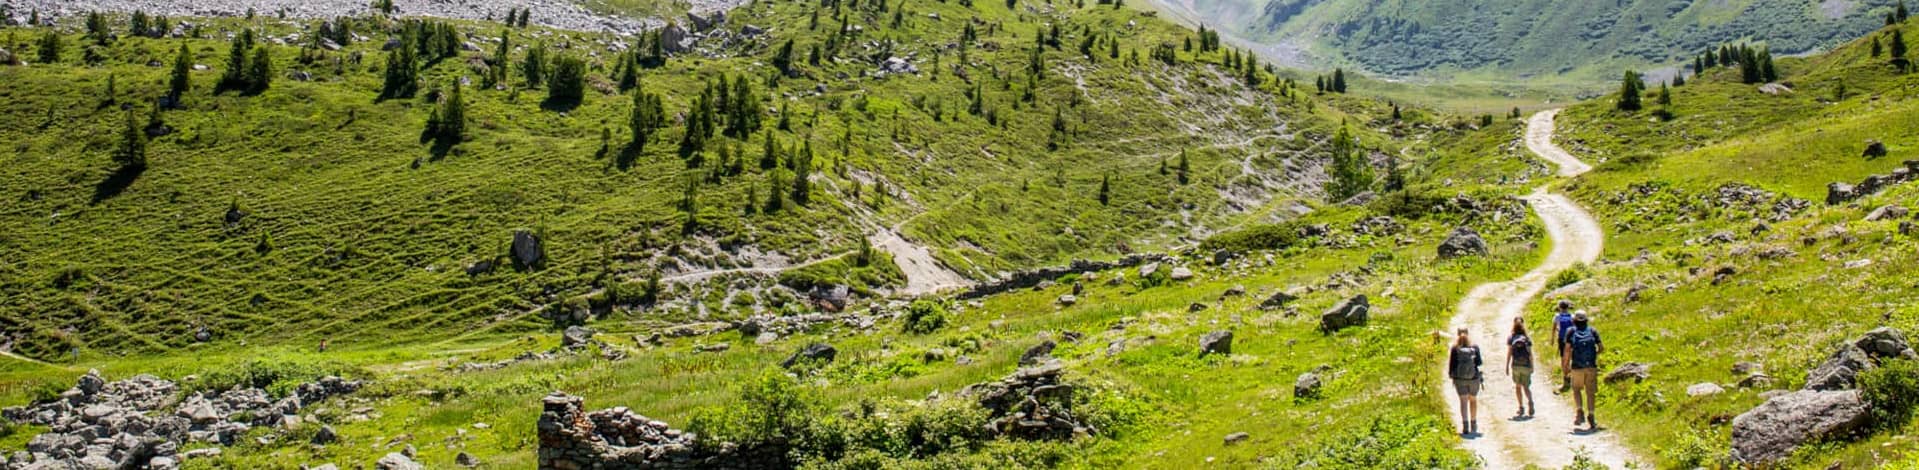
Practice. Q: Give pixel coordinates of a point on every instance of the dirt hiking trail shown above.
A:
(1548, 439)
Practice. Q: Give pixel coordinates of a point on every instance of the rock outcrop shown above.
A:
(1773, 430)
(1217, 342)
(1032, 403)
(1463, 242)
(1352, 312)
(1028, 279)
(1841, 193)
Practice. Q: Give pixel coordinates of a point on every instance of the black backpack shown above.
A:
(1465, 364)
(1522, 351)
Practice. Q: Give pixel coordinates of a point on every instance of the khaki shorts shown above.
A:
(1523, 376)
(1587, 379)
(1467, 387)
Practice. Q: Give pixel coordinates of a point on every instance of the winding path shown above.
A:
(1549, 439)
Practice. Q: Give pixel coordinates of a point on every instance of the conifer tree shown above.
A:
(131, 154)
(50, 47)
(1351, 174)
(1898, 47)
(235, 75)
(1339, 81)
(769, 152)
(646, 119)
(1899, 12)
(802, 181)
(568, 84)
(1185, 168)
(402, 74)
(1105, 189)
(1629, 91)
(533, 66)
(259, 72)
(1665, 96)
(1876, 49)
(182, 78)
(1766, 71)
(775, 195)
(452, 124)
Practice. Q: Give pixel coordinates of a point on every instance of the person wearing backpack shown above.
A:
(1519, 364)
(1562, 320)
(1463, 367)
(1581, 356)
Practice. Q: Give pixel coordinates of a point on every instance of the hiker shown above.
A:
(1463, 366)
(1581, 356)
(1562, 319)
(1519, 364)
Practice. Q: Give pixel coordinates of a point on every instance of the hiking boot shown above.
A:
(1592, 423)
(1579, 418)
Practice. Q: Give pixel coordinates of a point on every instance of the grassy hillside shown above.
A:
(352, 229)
(1678, 198)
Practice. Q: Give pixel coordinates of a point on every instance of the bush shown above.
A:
(1258, 237)
(773, 409)
(924, 316)
(1892, 389)
(1579, 272)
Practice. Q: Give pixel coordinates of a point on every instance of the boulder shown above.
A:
(1181, 273)
(1196, 307)
(466, 460)
(1839, 193)
(1888, 212)
(1037, 353)
(397, 461)
(576, 336)
(1772, 430)
(821, 353)
(325, 436)
(751, 31)
(1068, 300)
(1704, 389)
(1236, 438)
(1840, 370)
(1217, 342)
(1885, 343)
(1307, 385)
(527, 251)
(1235, 291)
(1634, 371)
(1352, 312)
(1462, 242)
(1875, 148)
(1278, 300)
(1147, 270)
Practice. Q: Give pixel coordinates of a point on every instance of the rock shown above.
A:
(1196, 307)
(713, 348)
(1875, 148)
(1858, 263)
(397, 461)
(1839, 193)
(482, 267)
(1236, 438)
(1037, 353)
(1744, 368)
(1068, 300)
(576, 336)
(1217, 342)
(1772, 430)
(751, 31)
(1307, 386)
(1462, 242)
(673, 38)
(1840, 370)
(1633, 294)
(1720, 237)
(466, 460)
(1885, 343)
(819, 353)
(1906, 228)
(1756, 380)
(572, 438)
(1278, 300)
(1888, 212)
(1235, 291)
(1352, 312)
(1723, 274)
(1634, 371)
(896, 65)
(765, 338)
(1704, 389)
(527, 251)
(325, 436)
(1148, 269)
(1180, 273)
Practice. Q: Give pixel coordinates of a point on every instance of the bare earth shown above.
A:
(1549, 439)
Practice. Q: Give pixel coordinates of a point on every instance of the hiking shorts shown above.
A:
(1523, 376)
(1586, 379)
(1467, 387)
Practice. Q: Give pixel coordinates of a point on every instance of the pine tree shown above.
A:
(1665, 95)
(1350, 172)
(402, 74)
(50, 47)
(568, 84)
(1105, 189)
(452, 125)
(646, 119)
(802, 181)
(182, 78)
(769, 152)
(533, 66)
(97, 29)
(1899, 12)
(131, 154)
(235, 75)
(1339, 81)
(259, 71)
(1679, 80)
(111, 94)
(1898, 47)
(1876, 49)
(1766, 71)
(775, 196)
(783, 60)
(1629, 90)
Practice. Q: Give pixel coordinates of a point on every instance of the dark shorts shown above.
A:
(1467, 387)
(1523, 376)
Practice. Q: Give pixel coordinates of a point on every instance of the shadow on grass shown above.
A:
(560, 104)
(116, 183)
(629, 153)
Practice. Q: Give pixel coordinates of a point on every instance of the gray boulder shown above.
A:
(1352, 312)
(1888, 212)
(1181, 273)
(1875, 148)
(1217, 342)
(1772, 430)
(325, 436)
(1839, 371)
(1634, 371)
(1307, 385)
(528, 252)
(1278, 300)
(576, 336)
(1037, 353)
(397, 461)
(817, 352)
(1462, 242)
(1885, 343)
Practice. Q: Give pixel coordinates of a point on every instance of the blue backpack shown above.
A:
(1585, 347)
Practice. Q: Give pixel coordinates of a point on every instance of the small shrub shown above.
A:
(1892, 389)
(1693, 448)
(924, 316)
(1258, 237)
(772, 409)
(1579, 272)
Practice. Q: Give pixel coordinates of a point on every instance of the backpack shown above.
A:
(1522, 351)
(1465, 363)
(1585, 347)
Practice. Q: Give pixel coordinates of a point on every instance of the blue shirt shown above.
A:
(1561, 322)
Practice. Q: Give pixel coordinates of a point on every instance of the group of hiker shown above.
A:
(1578, 346)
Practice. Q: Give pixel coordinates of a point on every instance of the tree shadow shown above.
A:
(559, 104)
(440, 149)
(629, 153)
(116, 183)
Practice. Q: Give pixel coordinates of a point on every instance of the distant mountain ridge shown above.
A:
(1527, 38)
